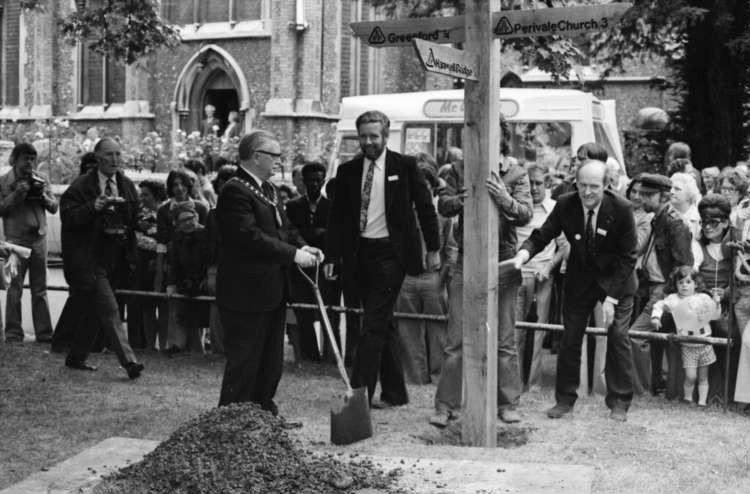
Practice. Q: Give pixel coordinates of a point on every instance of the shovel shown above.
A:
(350, 414)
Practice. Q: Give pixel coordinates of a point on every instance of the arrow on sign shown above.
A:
(400, 32)
(445, 60)
(563, 21)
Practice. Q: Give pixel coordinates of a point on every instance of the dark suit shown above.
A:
(587, 281)
(252, 290)
(311, 226)
(380, 265)
(96, 247)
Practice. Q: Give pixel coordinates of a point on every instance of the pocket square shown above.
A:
(392, 178)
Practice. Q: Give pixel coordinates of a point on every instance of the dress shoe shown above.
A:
(440, 419)
(384, 404)
(618, 414)
(74, 364)
(509, 415)
(559, 410)
(134, 370)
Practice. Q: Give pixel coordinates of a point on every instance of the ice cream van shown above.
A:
(545, 125)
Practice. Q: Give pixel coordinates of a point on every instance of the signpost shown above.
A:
(446, 60)
(481, 29)
(562, 21)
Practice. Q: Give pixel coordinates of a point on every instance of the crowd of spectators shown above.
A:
(693, 242)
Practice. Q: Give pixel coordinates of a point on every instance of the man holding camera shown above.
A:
(25, 197)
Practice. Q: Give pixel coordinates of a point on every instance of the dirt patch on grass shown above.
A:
(508, 436)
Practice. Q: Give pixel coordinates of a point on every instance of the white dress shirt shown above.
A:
(377, 226)
(103, 184)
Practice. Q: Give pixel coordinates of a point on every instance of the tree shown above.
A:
(705, 45)
(125, 30)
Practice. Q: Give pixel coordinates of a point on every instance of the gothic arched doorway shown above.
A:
(211, 76)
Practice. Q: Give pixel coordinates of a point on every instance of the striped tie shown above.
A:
(109, 188)
(366, 197)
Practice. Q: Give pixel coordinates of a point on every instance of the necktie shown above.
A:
(268, 191)
(366, 197)
(109, 189)
(589, 235)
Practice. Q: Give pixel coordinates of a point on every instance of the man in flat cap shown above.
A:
(668, 247)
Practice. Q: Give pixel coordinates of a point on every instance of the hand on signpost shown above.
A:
(522, 256)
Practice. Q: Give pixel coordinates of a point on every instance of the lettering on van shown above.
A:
(454, 108)
(379, 37)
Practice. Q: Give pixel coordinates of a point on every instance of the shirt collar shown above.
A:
(586, 210)
(380, 161)
(258, 181)
(547, 204)
(103, 179)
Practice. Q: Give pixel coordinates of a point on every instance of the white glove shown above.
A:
(316, 252)
(305, 259)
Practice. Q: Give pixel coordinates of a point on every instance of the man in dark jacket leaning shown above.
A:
(98, 214)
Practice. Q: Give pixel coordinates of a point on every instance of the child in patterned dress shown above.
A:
(692, 311)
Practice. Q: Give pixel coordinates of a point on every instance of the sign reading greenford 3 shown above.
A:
(445, 60)
(563, 21)
(400, 32)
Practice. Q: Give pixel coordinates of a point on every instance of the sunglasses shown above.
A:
(713, 222)
(268, 153)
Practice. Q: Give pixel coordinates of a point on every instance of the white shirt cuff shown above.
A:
(613, 301)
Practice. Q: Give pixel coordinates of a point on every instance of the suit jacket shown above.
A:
(613, 267)
(85, 245)
(672, 240)
(405, 193)
(309, 225)
(254, 251)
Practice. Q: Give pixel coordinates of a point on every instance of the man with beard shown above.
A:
(373, 229)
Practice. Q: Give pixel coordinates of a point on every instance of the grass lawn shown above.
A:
(49, 413)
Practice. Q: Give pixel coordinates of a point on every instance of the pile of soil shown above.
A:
(241, 448)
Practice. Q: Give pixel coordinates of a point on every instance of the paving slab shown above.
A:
(80, 473)
(83, 471)
(427, 475)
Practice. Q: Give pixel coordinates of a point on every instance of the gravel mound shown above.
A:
(242, 449)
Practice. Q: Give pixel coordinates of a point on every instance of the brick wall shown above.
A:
(11, 47)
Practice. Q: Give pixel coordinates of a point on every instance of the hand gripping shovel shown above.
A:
(350, 414)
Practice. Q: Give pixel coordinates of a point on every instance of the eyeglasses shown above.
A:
(712, 223)
(728, 189)
(275, 156)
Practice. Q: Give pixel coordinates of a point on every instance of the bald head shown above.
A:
(108, 156)
(591, 180)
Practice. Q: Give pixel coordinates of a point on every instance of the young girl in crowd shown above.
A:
(692, 310)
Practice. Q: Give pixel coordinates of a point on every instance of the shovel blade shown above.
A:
(350, 418)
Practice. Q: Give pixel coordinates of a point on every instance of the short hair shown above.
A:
(427, 159)
(195, 166)
(100, 143)
(738, 181)
(88, 161)
(682, 272)
(454, 153)
(287, 189)
(678, 150)
(156, 188)
(593, 151)
(537, 167)
(711, 170)
(223, 175)
(175, 175)
(21, 148)
(429, 175)
(209, 106)
(715, 201)
(252, 141)
(688, 184)
(313, 167)
(375, 116)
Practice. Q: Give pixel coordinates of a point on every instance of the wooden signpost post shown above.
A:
(480, 29)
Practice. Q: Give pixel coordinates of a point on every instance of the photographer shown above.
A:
(25, 196)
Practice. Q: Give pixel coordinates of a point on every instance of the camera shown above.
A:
(36, 188)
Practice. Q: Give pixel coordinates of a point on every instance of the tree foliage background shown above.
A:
(705, 45)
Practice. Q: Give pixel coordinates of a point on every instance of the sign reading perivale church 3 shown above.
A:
(563, 21)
